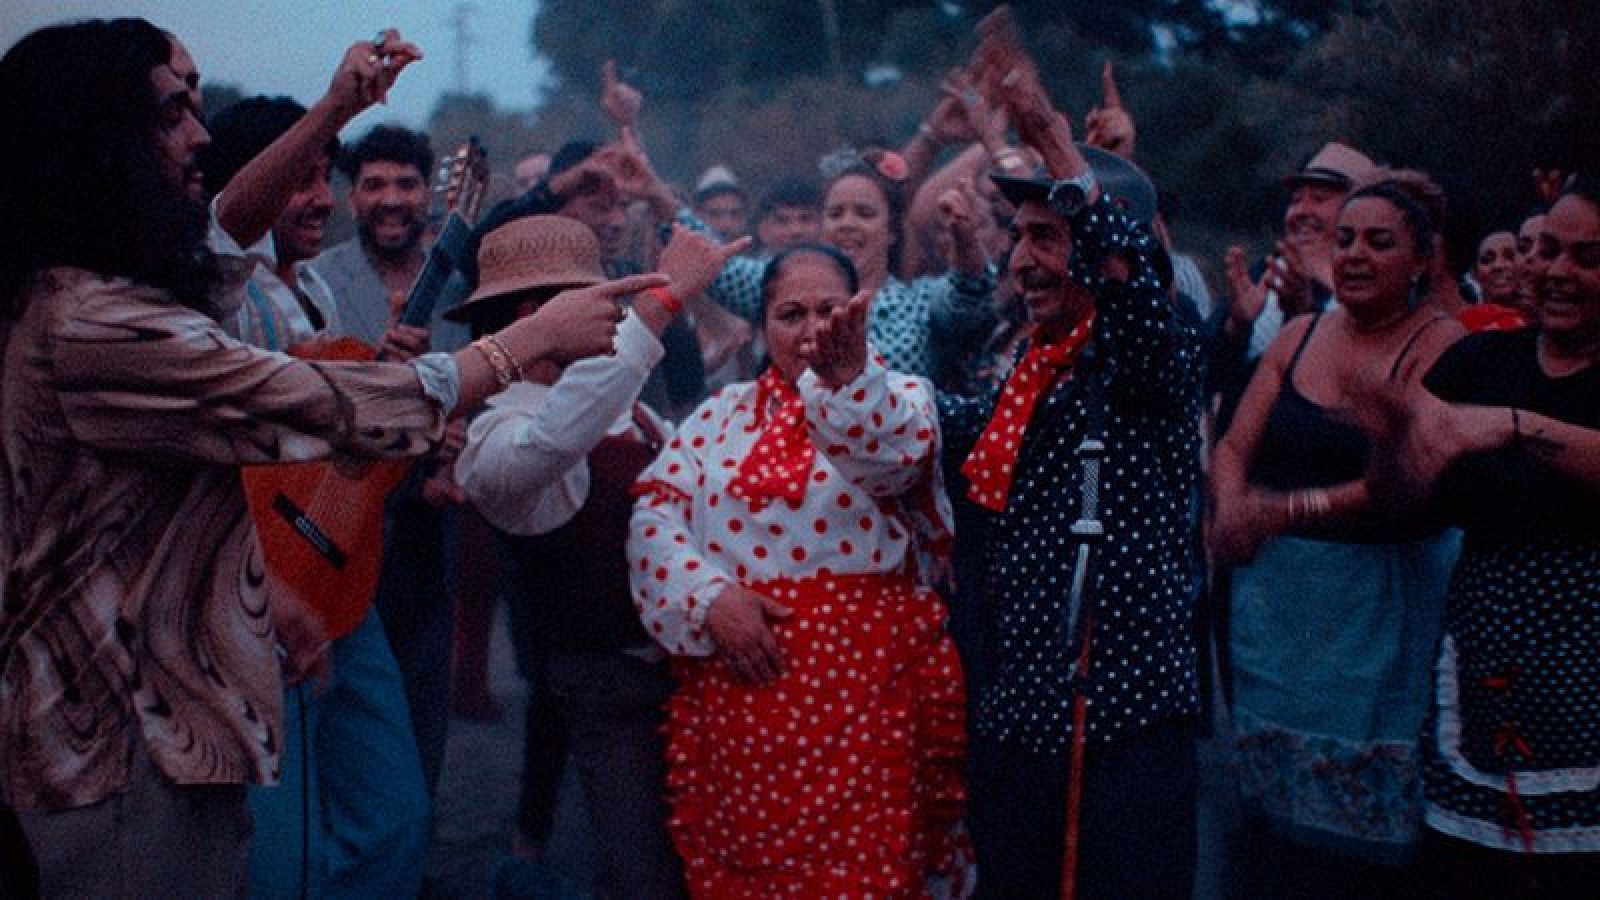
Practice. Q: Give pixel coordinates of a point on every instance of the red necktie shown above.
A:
(779, 465)
(994, 458)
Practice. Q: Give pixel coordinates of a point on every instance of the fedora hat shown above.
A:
(1336, 165)
(530, 253)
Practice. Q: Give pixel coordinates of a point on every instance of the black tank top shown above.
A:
(1305, 445)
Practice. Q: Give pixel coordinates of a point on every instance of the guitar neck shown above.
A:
(429, 290)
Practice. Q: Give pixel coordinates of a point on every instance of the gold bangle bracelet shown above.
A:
(511, 361)
(499, 361)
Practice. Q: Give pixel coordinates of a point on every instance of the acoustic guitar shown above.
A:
(321, 524)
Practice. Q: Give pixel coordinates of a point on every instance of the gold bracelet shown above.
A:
(500, 362)
(511, 361)
(1317, 503)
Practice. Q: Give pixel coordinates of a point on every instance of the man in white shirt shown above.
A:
(551, 463)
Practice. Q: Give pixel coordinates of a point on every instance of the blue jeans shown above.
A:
(349, 817)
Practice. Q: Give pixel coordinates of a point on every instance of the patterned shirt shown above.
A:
(273, 314)
(913, 326)
(876, 440)
(1142, 367)
(134, 605)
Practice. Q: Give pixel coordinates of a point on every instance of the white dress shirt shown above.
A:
(525, 465)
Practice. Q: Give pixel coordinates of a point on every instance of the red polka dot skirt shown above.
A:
(843, 777)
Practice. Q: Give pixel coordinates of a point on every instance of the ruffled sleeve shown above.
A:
(878, 430)
(672, 581)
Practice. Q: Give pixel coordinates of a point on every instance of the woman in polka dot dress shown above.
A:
(816, 737)
(1512, 748)
(915, 325)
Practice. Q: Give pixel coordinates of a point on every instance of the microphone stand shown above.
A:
(1089, 533)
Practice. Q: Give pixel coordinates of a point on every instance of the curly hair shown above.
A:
(388, 143)
(81, 176)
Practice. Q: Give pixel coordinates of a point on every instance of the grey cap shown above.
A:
(1126, 184)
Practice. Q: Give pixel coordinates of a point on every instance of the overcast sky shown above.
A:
(291, 46)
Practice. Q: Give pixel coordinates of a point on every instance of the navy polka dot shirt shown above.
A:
(1143, 368)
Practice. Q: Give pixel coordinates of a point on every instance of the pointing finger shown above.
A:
(632, 284)
(1108, 86)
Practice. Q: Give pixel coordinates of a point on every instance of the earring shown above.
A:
(1419, 283)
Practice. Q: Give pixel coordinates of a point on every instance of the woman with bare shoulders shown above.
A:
(1334, 616)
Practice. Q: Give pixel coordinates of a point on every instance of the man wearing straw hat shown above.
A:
(550, 464)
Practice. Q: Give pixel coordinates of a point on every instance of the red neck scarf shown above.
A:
(779, 465)
(993, 461)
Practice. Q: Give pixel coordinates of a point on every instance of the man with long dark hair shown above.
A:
(139, 686)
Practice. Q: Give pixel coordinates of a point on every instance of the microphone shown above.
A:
(1088, 529)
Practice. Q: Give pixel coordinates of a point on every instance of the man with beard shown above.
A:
(388, 170)
(139, 688)
(1106, 358)
(348, 744)
(371, 274)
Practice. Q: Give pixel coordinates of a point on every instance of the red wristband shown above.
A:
(668, 300)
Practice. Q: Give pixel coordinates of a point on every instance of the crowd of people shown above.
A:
(900, 534)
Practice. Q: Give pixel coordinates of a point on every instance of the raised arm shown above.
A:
(1154, 357)
(878, 428)
(253, 198)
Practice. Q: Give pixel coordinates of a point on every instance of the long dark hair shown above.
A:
(894, 198)
(81, 176)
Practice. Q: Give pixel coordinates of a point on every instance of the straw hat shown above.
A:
(530, 253)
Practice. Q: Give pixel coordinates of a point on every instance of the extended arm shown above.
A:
(521, 464)
(255, 196)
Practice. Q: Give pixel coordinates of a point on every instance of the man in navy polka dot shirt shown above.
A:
(1106, 355)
